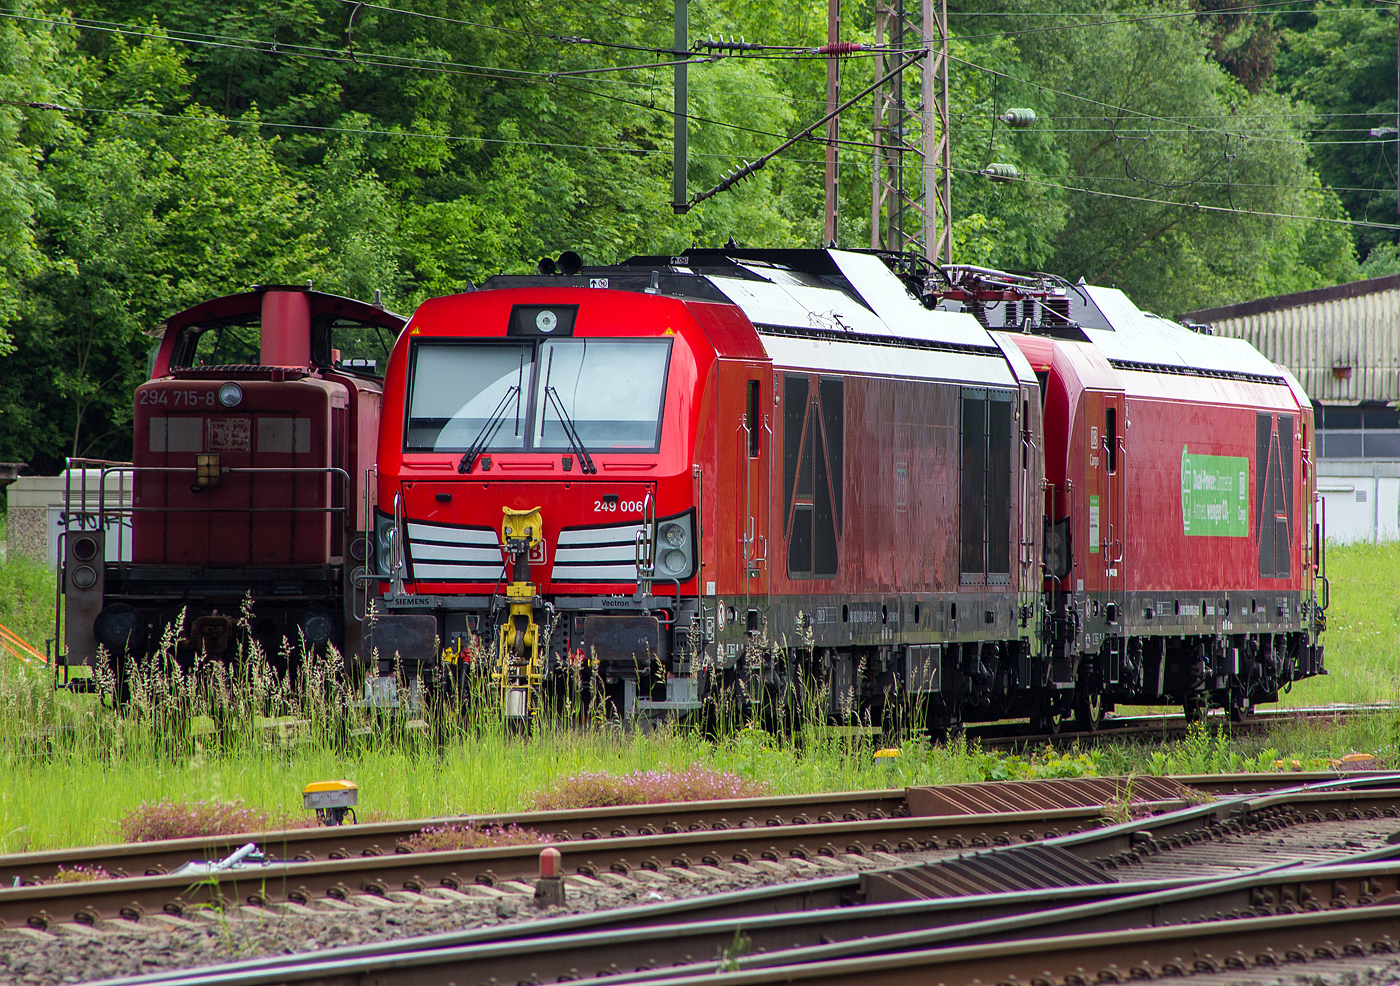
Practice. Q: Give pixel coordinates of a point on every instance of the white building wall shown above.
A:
(1361, 500)
(36, 515)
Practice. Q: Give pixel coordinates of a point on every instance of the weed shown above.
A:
(1049, 762)
(601, 790)
(78, 873)
(731, 954)
(449, 838)
(184, 820)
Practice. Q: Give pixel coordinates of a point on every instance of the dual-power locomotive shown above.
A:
(253, 440)
(818, 476)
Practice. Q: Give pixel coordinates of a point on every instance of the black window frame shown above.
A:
(532, 344)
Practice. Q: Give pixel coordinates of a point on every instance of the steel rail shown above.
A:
(386, 838)
(1170, 725)
(1110, 846)
(1280, 883)
(134, 897)
(820, 935)
(1151, 953)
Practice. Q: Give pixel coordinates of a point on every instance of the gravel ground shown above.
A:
(78, 953)
(1371, 971)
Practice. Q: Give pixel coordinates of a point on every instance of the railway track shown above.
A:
(590, 824)
(1166, 726)
(958, 938)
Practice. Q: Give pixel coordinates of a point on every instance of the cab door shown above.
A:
(1106, 505)
(745, 434)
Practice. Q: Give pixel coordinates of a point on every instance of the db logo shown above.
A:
(537, 553)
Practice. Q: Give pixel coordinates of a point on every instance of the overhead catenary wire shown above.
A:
(739, 174)
(1139, 114)
(1197, 206)
(503, 73)
(279, 48)
(1231, 11)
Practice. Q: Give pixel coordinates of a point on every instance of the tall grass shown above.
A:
(71, 766)
(26, 599)
(1363, 628)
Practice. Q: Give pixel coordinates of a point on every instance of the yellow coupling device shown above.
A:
(519, 669)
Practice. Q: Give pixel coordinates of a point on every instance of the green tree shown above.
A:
(32, 77)
(1341, 67)
(150, 208)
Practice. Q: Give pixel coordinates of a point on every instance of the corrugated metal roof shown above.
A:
(1353, 289)
(1344, 347)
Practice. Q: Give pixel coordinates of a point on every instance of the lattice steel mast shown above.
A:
(910, 201)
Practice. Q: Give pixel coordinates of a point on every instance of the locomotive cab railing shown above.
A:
(89, 507)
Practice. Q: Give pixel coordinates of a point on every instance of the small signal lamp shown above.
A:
(331, 800)
(888, 757)
(208, 470)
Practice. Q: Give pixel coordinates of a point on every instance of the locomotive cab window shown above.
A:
(460, 394)
(607, 391)
(347, 344)
(219, 344)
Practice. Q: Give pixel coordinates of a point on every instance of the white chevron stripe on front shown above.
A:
(597, 554)
(418, 531)
(454, 554)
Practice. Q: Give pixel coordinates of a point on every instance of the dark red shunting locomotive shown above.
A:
(252, 442)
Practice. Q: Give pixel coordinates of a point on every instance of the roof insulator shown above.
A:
(1019, 118)
(1001, 172)
(378, 301)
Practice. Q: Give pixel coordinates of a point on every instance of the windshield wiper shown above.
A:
(487, 432)
(551, 396)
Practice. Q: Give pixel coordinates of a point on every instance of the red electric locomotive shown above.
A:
(1184, 548)
(253, 439)
(763, 468)
(760, 467)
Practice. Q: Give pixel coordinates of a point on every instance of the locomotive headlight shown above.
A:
(675, 555)
(383, 536)
(230, 395)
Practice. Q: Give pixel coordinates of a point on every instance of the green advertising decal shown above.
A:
(1214, 495)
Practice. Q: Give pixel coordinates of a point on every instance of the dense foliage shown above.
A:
(156, 153)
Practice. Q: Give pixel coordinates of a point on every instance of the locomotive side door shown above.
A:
(746, 401)
(1106, 508)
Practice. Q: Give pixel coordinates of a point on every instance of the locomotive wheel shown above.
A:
(1194, 709)
(1044, 720)
(1240, 708)
(1088, 711)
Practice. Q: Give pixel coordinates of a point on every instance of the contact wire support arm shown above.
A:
(739, 174)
